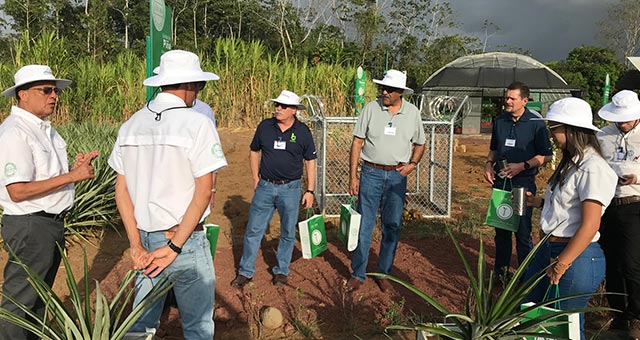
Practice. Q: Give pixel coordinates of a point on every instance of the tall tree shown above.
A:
(621, 29)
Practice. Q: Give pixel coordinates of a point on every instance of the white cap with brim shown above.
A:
(396, 79)
(178, 67)
(289, 98)
(571, 111)
(33, 73)
(624, 107)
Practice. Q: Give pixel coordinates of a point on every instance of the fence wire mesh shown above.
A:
(428, 187)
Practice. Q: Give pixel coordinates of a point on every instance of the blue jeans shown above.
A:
(584, 275)
(268, 197)
(386, 190)
(195, 280)
(503, 237)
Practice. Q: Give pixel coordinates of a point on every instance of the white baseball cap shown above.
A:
(571, 111)
(32, 73)
(624, 107)
(289, 98)
(178, 67)
(395, 78)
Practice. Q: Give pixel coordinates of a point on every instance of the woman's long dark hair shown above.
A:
(577, 141)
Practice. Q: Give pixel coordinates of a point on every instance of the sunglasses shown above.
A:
(284, 106)
(390, 89)
(555, 126)
(47, 90)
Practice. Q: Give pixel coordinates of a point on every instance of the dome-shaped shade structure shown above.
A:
(495, 70)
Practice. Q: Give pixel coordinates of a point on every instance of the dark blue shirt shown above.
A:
(284, 160)
(530, 135)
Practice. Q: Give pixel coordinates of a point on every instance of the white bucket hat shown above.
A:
(572, 111)
(289, 98)
(395, 78)
(32, 73)
(178, 67)
(624, 107)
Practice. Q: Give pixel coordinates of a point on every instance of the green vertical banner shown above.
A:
(361, 83)
(605, 90)
(159, 40)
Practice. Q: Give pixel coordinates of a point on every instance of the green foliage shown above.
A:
(84, 319)
(490, 313)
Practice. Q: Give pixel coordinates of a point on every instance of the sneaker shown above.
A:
(240, 281)
(279, 280)
(353, 284)
(385, 285)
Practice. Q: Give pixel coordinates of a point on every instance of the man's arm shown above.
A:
(307, 197)
(254, 163)
(489, 174)
(139, 254)
(213, 191)
(164, 256)
(81, 170)
(354, 157)
(416, 156)
(515, 168)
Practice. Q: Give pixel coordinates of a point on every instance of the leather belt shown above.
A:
(278, 181)
(625, 200)
(172, 231)
(381, 167)
(559, 239)
(57, 217)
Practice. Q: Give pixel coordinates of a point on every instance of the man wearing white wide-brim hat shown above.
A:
(389, 138)
(165, 157)
(620, 145)
(281, 146)
(36, 188)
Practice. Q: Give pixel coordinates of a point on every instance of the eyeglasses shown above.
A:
(555, 126)
(390, 89)
(47, 90)
(284, 106)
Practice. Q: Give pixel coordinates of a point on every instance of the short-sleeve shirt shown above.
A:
(388, 137)
(283, 151)
(32, 151)
(521, 140)
(592, 180)
(161, 160)
(622, 152)
(205, 109)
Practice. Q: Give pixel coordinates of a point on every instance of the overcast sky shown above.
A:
(550, 29)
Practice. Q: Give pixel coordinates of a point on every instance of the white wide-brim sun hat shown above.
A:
(32, 73)
(178, 67)
(395, 78)
(289, 98)
(624, 107)
(571, 111)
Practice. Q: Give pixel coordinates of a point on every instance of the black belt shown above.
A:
(278, 181)
(57, 217)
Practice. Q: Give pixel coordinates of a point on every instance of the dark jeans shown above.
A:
(33, 239)
(620, 239)
(523, 235)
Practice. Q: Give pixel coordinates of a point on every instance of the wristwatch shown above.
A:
(526, 166)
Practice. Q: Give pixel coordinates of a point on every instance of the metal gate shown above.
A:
(428, 187)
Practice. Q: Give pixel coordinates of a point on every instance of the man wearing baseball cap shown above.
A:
(390, 139)
(36, 189)
(279, 149)
(620, 228)
(164, 158)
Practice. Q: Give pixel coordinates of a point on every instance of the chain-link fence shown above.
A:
(428, 188)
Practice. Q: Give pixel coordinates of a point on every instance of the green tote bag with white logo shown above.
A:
(313, 238)
(500, 213)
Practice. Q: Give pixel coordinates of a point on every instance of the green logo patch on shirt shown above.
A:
(293, 137)
(10, 169)
(216, 150)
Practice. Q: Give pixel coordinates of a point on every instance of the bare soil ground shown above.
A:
(315, 304)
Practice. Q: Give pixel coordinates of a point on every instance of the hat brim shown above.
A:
(407, 90)
(299, 106)
(567, 122)
(611, 113)
(171, 79)
(60, 83)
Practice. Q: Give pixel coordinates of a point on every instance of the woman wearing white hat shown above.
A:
(577, 194)
(620, 145)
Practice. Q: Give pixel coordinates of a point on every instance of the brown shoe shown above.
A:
(240, 281)
(634, 329)
(385, 285)
(353, 284)
(279, 280)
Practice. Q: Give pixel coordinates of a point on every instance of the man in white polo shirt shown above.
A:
(165, 156)
(36, 189)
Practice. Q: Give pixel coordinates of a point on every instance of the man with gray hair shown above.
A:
(164, 158)
(36, 189)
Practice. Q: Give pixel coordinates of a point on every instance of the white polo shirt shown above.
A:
(622, 152)
(32, 151)
(593, 180)
(161, 159)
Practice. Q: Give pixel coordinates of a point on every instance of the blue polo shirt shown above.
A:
(283, 152)
(520, 141)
